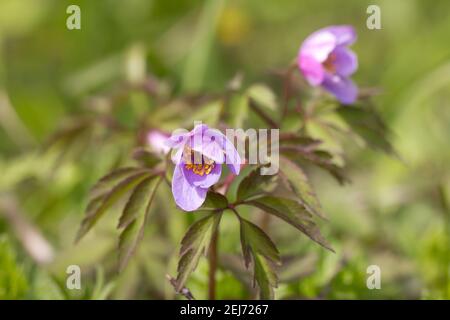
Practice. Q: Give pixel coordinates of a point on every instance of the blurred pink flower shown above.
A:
(325, 60)
(157, 141)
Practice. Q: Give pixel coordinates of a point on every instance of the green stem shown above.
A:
(212, 266)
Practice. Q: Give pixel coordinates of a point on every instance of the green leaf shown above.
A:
(105, 183)
(320, 158)
(298, 182)
(214, 201)
(66, 136)
(100, 204)
(255, 239)
(265, 276)
(195, 243)
(257, 246)
(367, 123)
(70, 142)
(129, 239)
(305, 142)
(294, 213)
(101, 290)
(135, 205)
(207, 113)
(134, 218)
(238, 110)
(263, 96)
(13, 280)
(255, 184)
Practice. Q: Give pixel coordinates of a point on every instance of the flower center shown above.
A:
(198, 163)
(200, 169)
(330, 63)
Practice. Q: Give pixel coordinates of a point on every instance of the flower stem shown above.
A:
(212, 266)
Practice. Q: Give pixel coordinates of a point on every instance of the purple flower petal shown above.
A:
(232, 158)
(206, 180)
(209, 147)
(344, 34)
(318, 45)
(343, 88)
(346, 61)
(312, 69)
(187, 196)
(199, 129)
(177, 155)
(178, 138)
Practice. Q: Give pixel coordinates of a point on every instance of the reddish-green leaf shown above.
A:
(135, 205)
(108, 181)
(319, 158)
(103, 203)
(214, 201)
(255, 184)
(293, 213)
(368, 125)
(134, 218)
(195, 243)
(257, 247)
(263, 96)
(298, 182)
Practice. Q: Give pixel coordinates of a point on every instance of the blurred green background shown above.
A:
(394, 214)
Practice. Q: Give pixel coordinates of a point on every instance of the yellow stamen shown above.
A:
(190, 156)
(200, 169)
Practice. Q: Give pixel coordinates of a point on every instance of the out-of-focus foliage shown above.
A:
(395, 213)
(13, 282)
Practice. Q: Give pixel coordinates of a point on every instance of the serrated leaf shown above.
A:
(103, 203)
(368, 125)
(255, 184)
(69, 141)
(298, 182)
(303, 141)
(320, 158)
(195, 243)
(128, 241)
(69, 134)
(257, 247)
(104, 184)
(214, 201)
(134, 230)
(294, 213)
(135, 205)
(265, 276)
(263, 96)
(255, 239)
(134, 218)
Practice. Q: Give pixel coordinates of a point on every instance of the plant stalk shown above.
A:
(212, 266)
